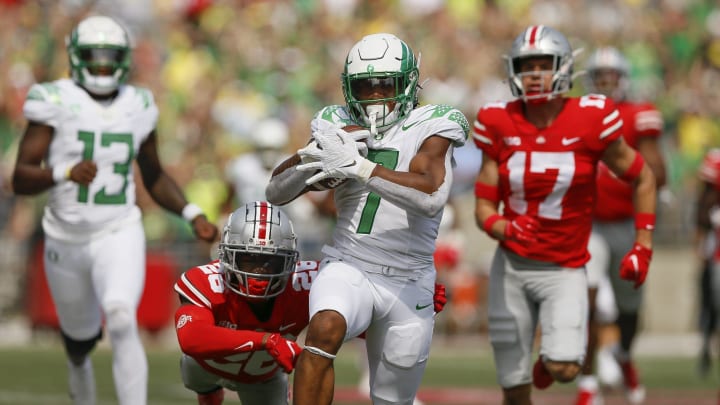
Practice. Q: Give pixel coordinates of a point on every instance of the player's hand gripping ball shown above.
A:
(331, 183)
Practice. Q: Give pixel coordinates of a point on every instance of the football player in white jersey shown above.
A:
(391, 187)
(82, 137)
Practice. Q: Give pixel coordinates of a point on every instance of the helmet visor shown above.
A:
(258, 263)
(257, 275)
(101, 61)
(374, 88)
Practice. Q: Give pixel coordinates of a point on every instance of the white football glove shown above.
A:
(310, 149)
(337, 155)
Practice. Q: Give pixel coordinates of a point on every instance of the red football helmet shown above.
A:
(258, 251)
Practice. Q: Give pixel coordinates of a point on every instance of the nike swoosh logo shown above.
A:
(419, 307)
(569, 141)
(406, 127)
(283, 327)
(246, 344)
(350, 164)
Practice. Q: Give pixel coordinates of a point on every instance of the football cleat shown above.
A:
(608, 369)
(588, 397)
(634, 391)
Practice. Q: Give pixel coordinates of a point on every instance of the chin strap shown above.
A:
(372, 117)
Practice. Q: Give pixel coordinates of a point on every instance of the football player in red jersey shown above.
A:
(707, 227)
(540, 154)
(238, 322)
(241, 314)
(613, 231)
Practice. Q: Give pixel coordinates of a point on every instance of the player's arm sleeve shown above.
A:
(199, 337)
(287, 183)
(452, 126)
(413, 200)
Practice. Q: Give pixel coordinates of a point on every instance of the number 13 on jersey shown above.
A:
(120, 166)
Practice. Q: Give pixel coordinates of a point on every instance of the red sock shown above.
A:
(212, 398)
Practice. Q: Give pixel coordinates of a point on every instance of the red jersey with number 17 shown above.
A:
(549, 173)
(615, 196)
(204, 287)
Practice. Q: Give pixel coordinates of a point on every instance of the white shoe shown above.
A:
(636, 396)
(82, 383)
(608, 370)
(363, 385)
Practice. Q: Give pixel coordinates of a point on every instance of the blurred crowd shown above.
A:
(222, 69)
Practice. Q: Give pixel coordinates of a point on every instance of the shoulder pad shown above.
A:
(48, 92)
(146, 97)
(202, 285)
(335, 114)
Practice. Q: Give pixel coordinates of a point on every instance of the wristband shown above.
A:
(635, 168)
(490, 221)
(645, 221)
(365, 169)
(487, 192)
(265, 338)
(61, 172)
(191, 211)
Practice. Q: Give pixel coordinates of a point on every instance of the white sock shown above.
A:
(587, 383)
(130, 368)
(82, 383)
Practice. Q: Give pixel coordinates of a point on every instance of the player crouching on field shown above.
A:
(241, 314)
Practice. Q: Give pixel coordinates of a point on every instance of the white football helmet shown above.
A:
(99, 53)
(539, 40)
(608, 59)
(377, 61)
(258, 251)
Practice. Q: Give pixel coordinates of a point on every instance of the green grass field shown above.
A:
(455, 375)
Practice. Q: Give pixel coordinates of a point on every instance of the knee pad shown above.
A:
(77, 350)
(406, 345)
(120, 320)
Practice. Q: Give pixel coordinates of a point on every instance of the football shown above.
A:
(353, 128)
(328, 184)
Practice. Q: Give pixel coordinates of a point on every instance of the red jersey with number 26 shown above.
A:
(550, 173)
(615, 196)
(204, 287)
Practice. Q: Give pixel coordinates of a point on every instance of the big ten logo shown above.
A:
(305, 273)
